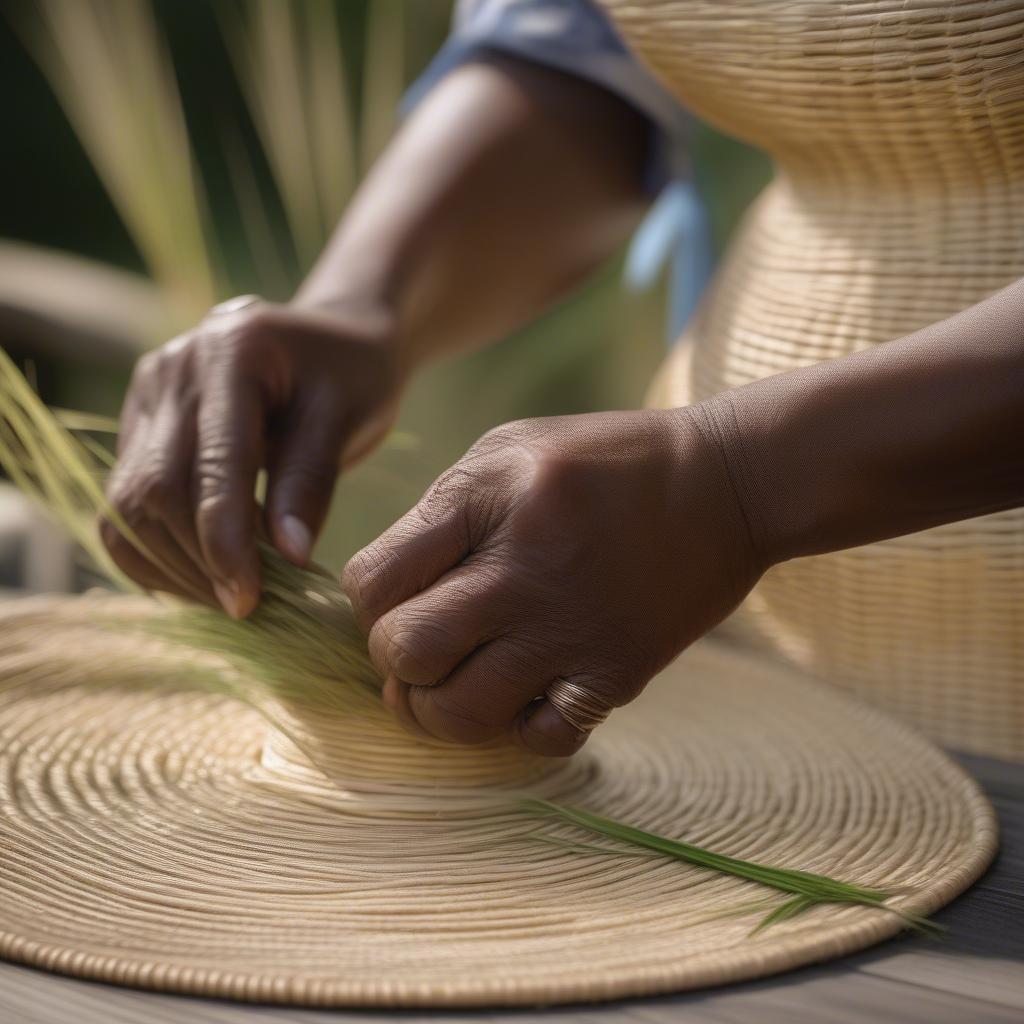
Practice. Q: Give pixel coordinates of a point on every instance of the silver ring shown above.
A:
(239, 302)
(577, 705)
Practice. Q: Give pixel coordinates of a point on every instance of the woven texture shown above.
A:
(897, 131)
(166, 838)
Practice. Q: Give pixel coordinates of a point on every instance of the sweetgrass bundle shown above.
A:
(302, 662)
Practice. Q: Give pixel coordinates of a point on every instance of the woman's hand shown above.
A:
(296, 391)
(588, 548)
(300, 392)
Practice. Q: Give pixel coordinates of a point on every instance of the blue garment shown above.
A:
(576, 37)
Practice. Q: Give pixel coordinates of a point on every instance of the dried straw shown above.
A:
(897, 130)
(157, 835)
(124, 729)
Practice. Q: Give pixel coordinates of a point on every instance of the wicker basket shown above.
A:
(897, 130)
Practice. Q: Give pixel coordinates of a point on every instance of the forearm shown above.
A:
(508, 184)
(913, 433)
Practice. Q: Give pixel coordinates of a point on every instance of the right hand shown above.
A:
(299, 392)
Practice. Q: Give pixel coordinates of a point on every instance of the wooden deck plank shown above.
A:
(30, 997)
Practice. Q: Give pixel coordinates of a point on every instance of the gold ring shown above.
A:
(239, 302)
(577, 705)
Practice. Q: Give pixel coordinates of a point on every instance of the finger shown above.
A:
(558, 731)
(395, 695)
(302, 475)
(138, 400)
(158, 373)
(167, 574)
(542, 729)
(173, 440)
(229, 453)
(423, 639)
(132, 562)
(407, 558)
(132, 414)
(482, 698)
(149, 487)
(163, 550)
(122, 485)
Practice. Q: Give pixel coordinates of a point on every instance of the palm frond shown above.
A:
(110, 69)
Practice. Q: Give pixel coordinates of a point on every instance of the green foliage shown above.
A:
(808, 889)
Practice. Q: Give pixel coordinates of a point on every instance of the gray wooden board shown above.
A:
(974, 976)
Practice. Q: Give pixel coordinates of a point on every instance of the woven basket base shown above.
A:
(145, 841)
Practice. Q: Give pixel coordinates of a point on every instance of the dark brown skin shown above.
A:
(596, 548)
(299, 392)
(425, 263)
(593, 548)
(575, 546)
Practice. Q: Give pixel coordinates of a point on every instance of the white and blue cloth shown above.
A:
(575, 36)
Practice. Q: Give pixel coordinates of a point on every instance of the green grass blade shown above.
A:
(797, 905)
(302, 646)
(797, 882)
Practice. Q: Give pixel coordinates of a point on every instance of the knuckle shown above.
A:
(257, 323)
(174, 359)
(416, 650)
(468, 496)
(369, 580)
(242, 340)
(554, 475)
(146, 369)
(450, 491)
(166, 360)
(511, 434)
(210, 512)
(248, 347)
(113, 540)
(212, 467)
(218, 538)
(547, 513)
(166, 370)
(154, 489)
(409, 655)
(451, 717)
(308, 472)
(123, 500)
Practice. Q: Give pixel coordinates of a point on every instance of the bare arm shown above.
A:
(508, 185)
(917, 432)
(595, 548)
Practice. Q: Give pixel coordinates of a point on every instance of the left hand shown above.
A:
(590, 548)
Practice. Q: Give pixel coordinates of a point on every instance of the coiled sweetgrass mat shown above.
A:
(155, 834)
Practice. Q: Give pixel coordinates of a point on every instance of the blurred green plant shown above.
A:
(109, 66)
(291, 68)
(320, 82)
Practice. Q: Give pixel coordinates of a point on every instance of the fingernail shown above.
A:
(297, 538)
(229, 597)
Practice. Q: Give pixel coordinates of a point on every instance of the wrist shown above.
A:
(804, 482)
(739, 437)
(368, 319)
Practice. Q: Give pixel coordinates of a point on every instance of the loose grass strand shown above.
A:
(302, 648)
(809, 889)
